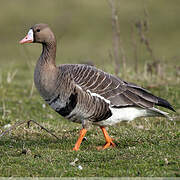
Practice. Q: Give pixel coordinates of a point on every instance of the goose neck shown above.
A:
(48, 54)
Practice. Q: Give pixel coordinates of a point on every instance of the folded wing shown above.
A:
(118, 92)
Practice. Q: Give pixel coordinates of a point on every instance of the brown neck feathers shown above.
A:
(48, 54)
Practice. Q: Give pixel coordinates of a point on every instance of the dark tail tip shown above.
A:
(164, 103)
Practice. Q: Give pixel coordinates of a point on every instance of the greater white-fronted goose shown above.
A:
(85, 94)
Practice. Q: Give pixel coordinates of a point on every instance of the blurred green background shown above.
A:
(84, 32)
(83, 28)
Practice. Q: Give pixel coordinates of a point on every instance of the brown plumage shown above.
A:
(85, 94)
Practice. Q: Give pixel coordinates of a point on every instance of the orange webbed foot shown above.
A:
(107, 145)
(109, 140)
(75, 148)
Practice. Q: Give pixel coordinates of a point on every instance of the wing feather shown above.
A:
(120, 93)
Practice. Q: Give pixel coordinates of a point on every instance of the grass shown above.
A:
(145, 147)
(139, 152)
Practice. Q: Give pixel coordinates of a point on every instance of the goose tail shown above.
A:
(164, 103)
(156, 112)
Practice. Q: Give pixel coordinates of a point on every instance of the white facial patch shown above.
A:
(30, 35)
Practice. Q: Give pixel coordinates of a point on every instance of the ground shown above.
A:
(145, 147)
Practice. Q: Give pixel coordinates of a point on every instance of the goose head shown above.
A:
(39, 33)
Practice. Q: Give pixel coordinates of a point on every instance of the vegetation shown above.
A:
(145, 147)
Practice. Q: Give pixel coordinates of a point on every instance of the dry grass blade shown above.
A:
(28, 123)
(11, 76)
(117, 42)
(134, 44)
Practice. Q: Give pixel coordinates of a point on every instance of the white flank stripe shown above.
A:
(79, 86)
(127, 113)
(99, 96)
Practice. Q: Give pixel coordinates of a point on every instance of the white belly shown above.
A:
(124, 114)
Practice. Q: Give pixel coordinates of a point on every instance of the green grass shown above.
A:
(145, 147)
(151, 152)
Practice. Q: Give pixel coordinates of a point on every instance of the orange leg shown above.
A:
(109, 140)
(81, 136)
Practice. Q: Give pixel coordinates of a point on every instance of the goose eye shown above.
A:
(38, 30)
